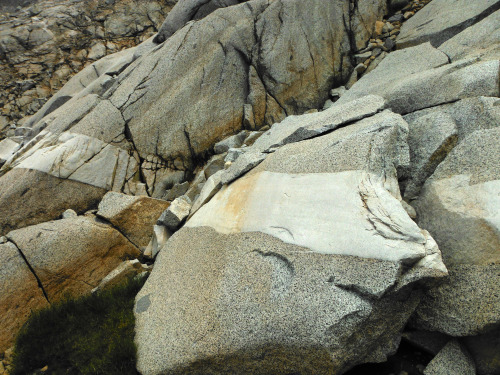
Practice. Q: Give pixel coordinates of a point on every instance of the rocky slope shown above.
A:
(45, 43)
(284, 239)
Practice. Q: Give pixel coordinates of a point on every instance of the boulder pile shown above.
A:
(303, 214)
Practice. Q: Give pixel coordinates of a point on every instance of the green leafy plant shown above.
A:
(89, 335)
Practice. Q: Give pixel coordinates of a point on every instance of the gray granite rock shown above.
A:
(175, 214)
(431, 342)
(215, 164)
(448, 83)
(159, 238)
(481, 39)
(234, 297)
(459, 207)
(187, 10)
(430, 139)
(298, 128)
(485, 351)
(452, 359)
(176, 191)
(210, 187)
(440, 20)
(234, 141)
(243, 164)
(7, 148)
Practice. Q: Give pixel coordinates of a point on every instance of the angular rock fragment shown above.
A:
(160, 236)
(452, 359)
(234, 141)
(175, 214)
(133, 216)
(459, 206)
(297, 128)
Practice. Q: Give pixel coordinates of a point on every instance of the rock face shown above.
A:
(330, 219)
(276, 251)
(47, 42)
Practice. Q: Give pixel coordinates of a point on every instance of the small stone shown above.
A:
(396, 18)
(389, 44)
(336, 93)
(215, 164)
(69, 213)
(376, 52)
(409, 210)
(387, 27)
(359, 58)
(407, 15)
(231, 142)
(329, 102)
(379, 25)
(176, 191)
(158, 240)
(360, 68)
(232, 155)
(252, 137)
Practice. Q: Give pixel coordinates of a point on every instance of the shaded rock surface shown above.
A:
(19, 293)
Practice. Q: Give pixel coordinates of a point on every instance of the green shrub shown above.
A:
(89, 335)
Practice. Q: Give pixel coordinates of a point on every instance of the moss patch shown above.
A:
(89, 335)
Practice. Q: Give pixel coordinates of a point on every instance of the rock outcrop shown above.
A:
(295, 225)
(47, 42)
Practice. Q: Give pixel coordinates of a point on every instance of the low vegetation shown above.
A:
(89, 335)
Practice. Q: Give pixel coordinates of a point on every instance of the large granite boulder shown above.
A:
(309, 263)
(71, 256)
(459, 205)
(406, 85)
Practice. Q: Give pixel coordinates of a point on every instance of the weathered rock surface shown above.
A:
(485, 350)
(447, 82)
(276, 250)
(47, 42)
(189, 10)
(440, 20)
(482, 39)
(71, 256)
(39, 197)
(459, 206)
(245, 291)
(133, 216)
(452, 359)
(175, 214)
(19, 293)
